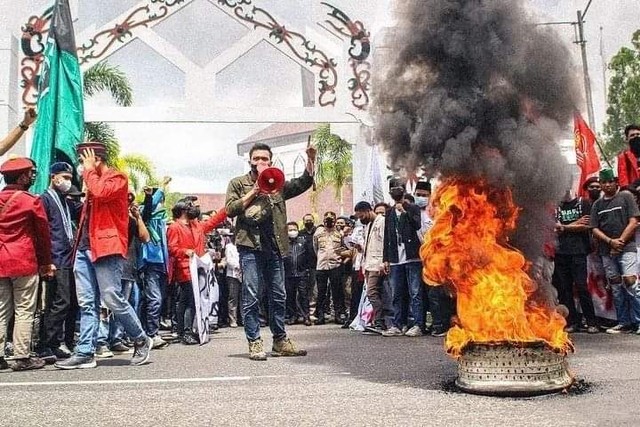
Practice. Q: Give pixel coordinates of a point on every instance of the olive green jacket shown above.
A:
(263, 208)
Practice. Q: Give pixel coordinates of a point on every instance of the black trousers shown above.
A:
(58, 323)
(334, 279)
(571, 271)
(297, 297)
(357, 284)
(185, 308)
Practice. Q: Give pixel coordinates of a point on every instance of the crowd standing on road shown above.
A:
(88, 274)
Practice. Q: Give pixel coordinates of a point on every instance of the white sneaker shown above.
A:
(103, 352)
(392, 332)
(415, 331)
(620, 329)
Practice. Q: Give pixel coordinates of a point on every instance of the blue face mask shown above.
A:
(422, 202)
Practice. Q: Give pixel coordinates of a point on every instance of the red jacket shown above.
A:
(181, 237)
(627, 168)
(25, 243)
(108, 209)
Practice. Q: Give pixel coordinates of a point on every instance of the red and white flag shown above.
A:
(586, 155)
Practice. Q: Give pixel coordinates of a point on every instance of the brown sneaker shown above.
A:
(28, 364)
(286, 347)
(256, 350)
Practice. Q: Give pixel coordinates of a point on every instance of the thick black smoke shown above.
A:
(475, 89)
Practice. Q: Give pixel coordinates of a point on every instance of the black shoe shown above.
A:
(141, 351)
(76, 361)
(346, 324)
(307, 322)
(320, 321)
(438, 332)
(60, 353)
(3, 364)
(189, 339)
(28, 364)
(48, 356)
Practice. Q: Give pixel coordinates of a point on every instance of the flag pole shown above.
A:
(602, 153)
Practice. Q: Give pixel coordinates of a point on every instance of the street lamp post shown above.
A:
(585, 67)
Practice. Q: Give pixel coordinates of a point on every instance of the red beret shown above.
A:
(98, 148)
(17, 165)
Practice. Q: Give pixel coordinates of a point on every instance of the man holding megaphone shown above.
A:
(257, 199)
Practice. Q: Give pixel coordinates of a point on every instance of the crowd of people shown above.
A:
(88, 274)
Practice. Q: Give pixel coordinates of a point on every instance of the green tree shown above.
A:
(624, 96)
(334, 162)
(105, 77)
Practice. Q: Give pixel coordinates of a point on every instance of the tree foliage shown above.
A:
(624, 96)
(334, 160)
(104, 77)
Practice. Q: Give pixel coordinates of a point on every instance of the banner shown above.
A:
(60, 124)
(206, 294)
(601, 295)
(586, 155)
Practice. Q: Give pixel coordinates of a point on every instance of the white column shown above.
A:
(10, 105)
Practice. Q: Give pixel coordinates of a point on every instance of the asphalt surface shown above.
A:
(347, 379)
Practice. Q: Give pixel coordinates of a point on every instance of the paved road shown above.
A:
(347, 379)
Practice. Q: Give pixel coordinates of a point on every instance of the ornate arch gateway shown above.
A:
(341, 80)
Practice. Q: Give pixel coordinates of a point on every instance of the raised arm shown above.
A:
(16, 133)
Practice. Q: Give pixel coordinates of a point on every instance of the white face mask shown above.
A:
(293, 234)
(422, 201)
(63, 185)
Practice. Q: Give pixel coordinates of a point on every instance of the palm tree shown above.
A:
(334, 161)
(105, 77)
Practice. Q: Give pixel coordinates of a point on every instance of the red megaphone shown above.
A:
(271, 180)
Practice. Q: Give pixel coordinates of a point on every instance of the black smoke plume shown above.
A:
(475, 89)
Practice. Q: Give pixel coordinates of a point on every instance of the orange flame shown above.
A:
(468, 248)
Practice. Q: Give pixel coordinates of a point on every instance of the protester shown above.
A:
(628, 159)
(25, 253)
(372, 263)
(613, 220)
(111, 335)
(261, 237)
(570, 270)
(100, 257)
(186, 238)
(234, 281)
(402, 262)
(381, 208)
(328, 245)
(62, 214)
(297, 264)
(16, 133)
(154, 260)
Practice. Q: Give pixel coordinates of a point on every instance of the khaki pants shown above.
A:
(19, 294)
(374, 293)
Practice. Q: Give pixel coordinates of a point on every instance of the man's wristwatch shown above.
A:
(23, 126)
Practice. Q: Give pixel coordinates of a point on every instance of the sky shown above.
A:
(202, 158)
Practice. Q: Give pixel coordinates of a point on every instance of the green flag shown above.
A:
(60, 123)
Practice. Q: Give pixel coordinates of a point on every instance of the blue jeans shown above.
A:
(111, 332)
(154, 277)
(406, 278)
(94, 281)
(262, 272)
(626, 298)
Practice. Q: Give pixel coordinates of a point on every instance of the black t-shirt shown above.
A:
(572, 243)
(611, 216)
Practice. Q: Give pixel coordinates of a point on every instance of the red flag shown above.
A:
(586, 155)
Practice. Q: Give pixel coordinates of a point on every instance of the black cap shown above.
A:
(423, 185)
(395, 182)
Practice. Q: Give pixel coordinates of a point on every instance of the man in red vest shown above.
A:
(25, 251)
(628, 159)
(100, 256)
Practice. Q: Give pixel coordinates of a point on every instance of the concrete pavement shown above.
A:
(347, 379)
